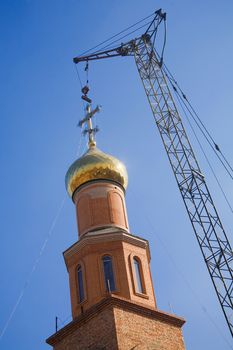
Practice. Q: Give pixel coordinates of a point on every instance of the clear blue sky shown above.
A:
(40, 107)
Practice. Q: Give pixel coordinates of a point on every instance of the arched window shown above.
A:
(108, 274)
(138, 275)
(80, 283)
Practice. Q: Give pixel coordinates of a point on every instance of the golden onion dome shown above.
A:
(95, 165)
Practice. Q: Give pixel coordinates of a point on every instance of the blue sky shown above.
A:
(40, 107)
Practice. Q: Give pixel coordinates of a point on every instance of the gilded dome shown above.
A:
(95, 165)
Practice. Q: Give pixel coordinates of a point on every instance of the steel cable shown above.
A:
(115, 41)
(205, 155)
(194, 114)
(201, 129)
(114, 36)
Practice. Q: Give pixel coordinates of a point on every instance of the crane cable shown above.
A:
(199, 122)
(208, 140)
(183, 106)
(122, 37)
(204, 153)
(114, 36)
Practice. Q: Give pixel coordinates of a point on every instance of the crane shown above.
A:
(206, 223)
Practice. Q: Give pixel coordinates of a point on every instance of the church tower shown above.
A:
(111, 289)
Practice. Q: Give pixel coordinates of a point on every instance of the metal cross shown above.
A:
(89, 129)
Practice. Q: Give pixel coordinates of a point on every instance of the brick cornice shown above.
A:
(112, 302)
(96, 237)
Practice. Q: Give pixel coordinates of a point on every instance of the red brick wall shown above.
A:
(119, 324)
(98, 333)
(140, 333)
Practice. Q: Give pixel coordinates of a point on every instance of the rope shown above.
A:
(36, 262)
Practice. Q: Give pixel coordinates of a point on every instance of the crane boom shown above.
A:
(207, 226)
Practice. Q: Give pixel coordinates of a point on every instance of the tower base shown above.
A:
(116, 323)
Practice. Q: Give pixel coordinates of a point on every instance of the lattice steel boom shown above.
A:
(204, 218)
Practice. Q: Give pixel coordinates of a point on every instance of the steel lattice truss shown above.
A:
(205, 220)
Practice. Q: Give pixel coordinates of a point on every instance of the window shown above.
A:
(137, 269)
(80, 283)
(108, 274)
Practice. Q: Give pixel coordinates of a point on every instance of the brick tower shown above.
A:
(112, 296)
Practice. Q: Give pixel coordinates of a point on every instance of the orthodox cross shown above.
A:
(89, 127)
